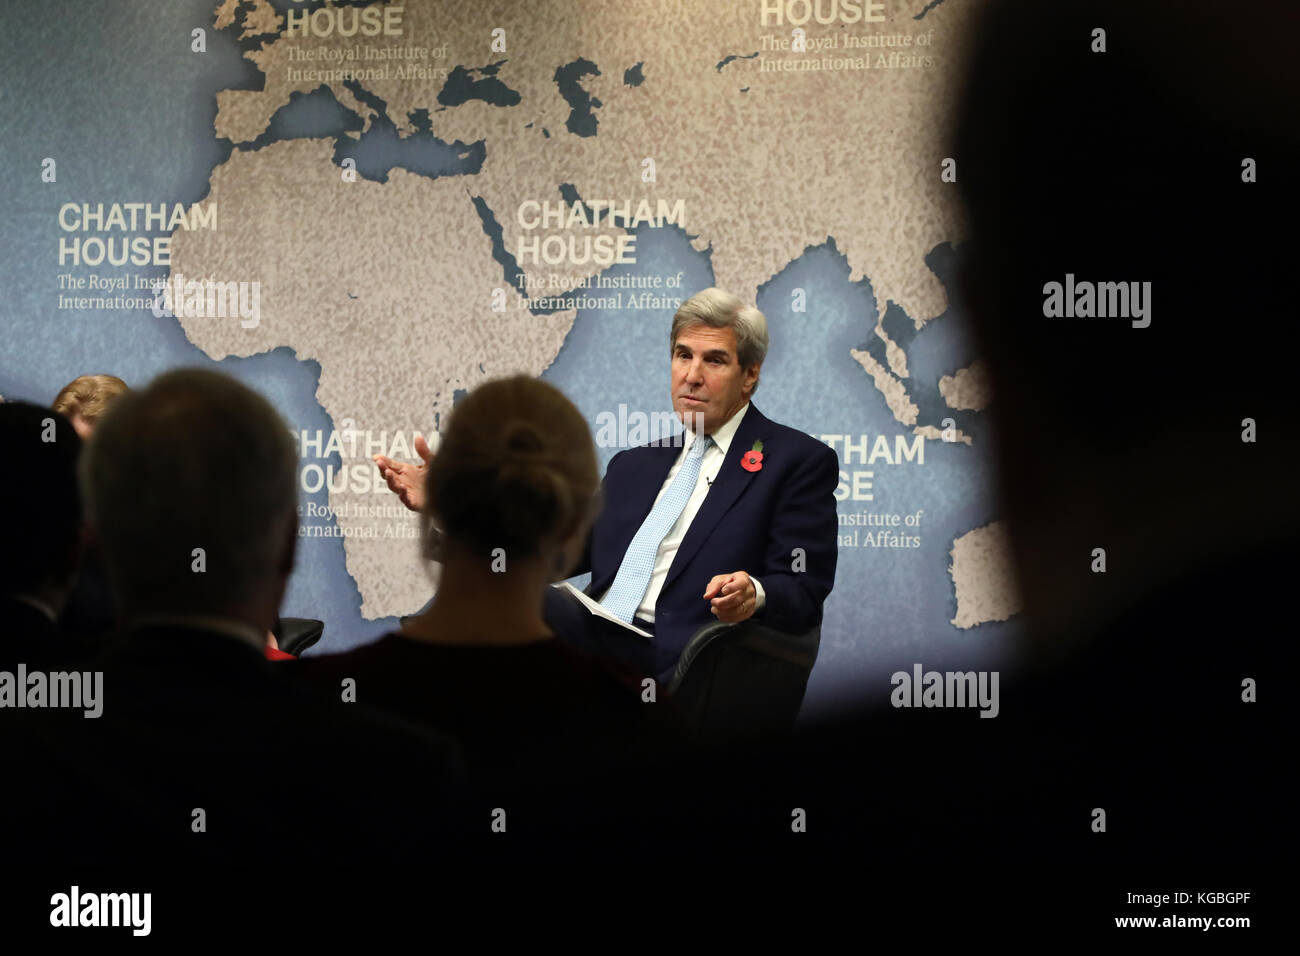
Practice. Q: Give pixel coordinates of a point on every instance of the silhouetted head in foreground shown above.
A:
(1122, 165)
(190, 485)
(40, 534)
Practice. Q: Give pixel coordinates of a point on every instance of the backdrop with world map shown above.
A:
(414, 197)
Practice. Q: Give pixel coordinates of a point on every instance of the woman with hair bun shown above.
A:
(507, 503)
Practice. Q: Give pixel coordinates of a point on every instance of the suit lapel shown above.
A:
(732, 480)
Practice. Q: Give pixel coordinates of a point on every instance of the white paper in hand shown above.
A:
(595, 608)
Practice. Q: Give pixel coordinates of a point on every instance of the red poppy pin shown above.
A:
(752, 460)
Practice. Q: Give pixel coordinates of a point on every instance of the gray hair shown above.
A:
(719, 309)
(195, 460)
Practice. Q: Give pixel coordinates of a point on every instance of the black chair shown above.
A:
(742, 681)
(296, 634)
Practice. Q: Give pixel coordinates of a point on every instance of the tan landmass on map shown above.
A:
(386, 285)
(982, 576)
(968, 389)
(799, 158)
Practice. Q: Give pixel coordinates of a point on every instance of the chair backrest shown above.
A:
(296, 634)
(740, 681)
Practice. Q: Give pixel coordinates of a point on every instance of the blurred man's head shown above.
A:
(85, 399)
(190, 485)
(40, 529)
(718, 347)
(1130, 165)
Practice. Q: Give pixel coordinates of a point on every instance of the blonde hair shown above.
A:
(88, 396)
(515, 469)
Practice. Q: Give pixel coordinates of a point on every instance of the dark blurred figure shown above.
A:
(40, 534)
(511, 493)
(88, 615)
(204, 752)
(1125, 166)
(1163, 441)
(1133, 695)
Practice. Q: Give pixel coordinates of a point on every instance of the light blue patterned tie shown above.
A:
(638, 565)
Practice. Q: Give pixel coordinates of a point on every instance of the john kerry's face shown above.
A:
(707, 377)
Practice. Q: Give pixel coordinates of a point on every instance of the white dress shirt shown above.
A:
(709, 468)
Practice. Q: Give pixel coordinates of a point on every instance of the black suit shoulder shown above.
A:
(28, 637)
(817, 452)
(194, 721)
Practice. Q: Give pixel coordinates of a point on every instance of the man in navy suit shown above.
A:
(757, 534)
(750, 531)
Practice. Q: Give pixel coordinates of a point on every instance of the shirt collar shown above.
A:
(38, 604)
(724, 433)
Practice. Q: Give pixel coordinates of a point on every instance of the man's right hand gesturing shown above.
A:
(406, 480)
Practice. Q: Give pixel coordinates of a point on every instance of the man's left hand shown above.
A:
(733, 595)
